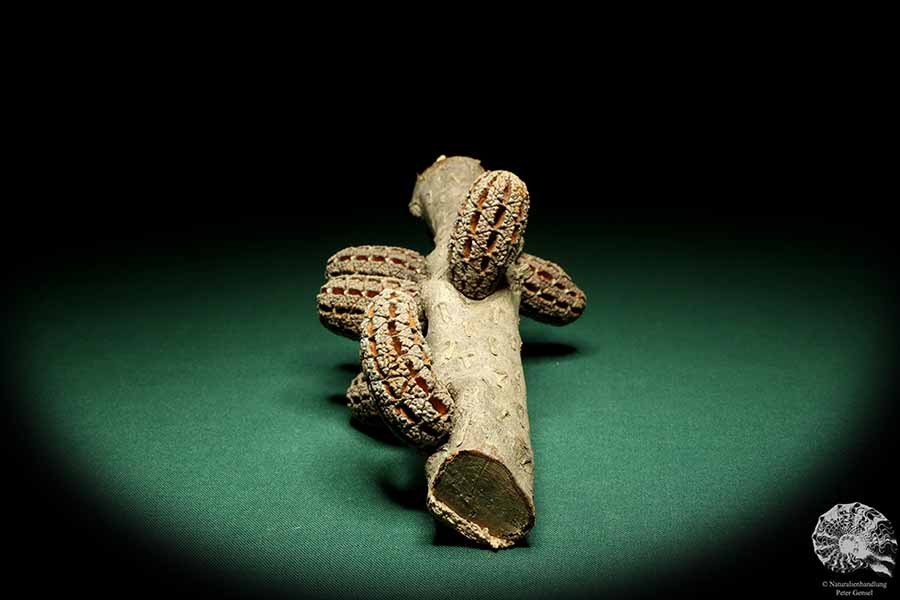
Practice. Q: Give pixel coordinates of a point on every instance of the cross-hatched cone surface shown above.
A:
(548, 293)
(387, 261)
(360, 402)
(487, 235)
(342, 301)
(396, 361)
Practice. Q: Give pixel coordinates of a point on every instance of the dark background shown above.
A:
(122, 171)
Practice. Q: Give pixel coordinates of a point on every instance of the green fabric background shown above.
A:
(200, 400)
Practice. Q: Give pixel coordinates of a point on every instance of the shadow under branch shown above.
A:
(537, 350)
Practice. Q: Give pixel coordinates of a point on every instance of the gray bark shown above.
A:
(481, 482)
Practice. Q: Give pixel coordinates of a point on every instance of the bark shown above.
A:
(481, 482)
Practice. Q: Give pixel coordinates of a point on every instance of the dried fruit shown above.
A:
(342, 300)
(488, 233)
(548, 293)
(388, 261)
(396, 360)
(360, 402)
(480, 471)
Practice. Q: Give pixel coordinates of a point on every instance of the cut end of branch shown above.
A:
(477, 496)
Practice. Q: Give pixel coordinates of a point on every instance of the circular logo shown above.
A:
(852, 536)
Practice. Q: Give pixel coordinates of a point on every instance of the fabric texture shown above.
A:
(202, 402)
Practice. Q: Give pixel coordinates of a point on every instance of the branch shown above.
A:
(481, 482)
